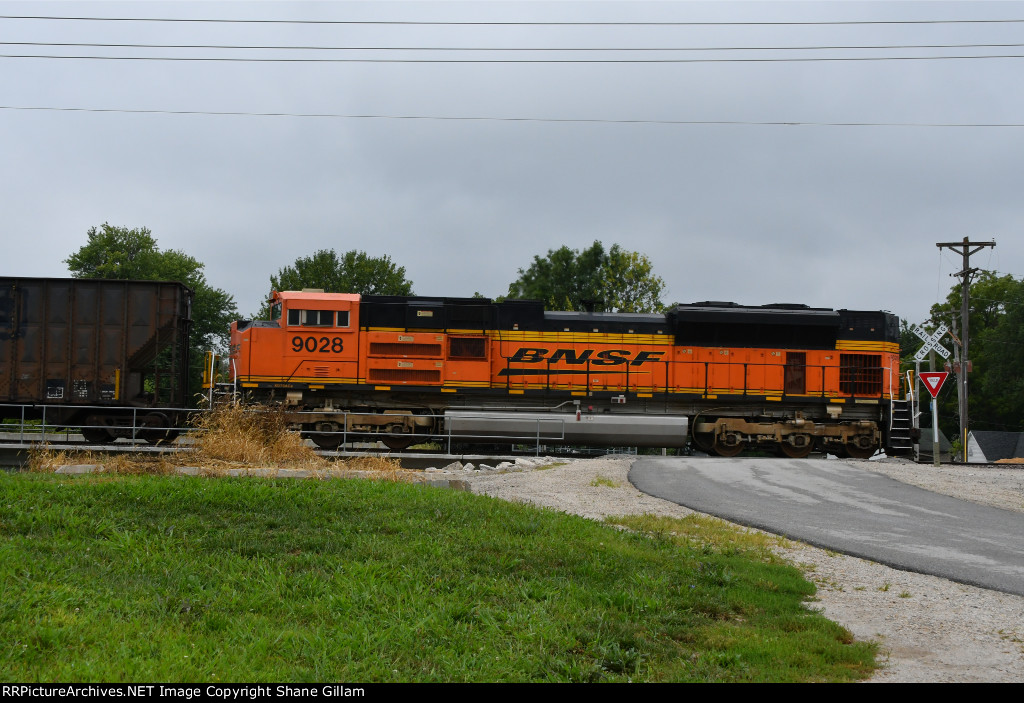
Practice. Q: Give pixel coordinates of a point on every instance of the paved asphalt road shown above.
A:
(840, 506)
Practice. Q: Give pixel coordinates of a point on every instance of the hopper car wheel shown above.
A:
(794, 452)
(97, 435)
(857, 452)
(325, 441)
(162, 432)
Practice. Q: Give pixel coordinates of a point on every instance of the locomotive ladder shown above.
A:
(900, 425)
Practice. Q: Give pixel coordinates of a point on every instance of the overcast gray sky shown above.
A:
(671, 153)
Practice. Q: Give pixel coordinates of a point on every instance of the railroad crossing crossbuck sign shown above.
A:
(933, 381)
(931, 341)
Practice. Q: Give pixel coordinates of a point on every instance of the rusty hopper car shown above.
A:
(785, 378)
(95, 354)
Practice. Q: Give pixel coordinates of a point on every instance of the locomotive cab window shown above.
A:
(314, 318)
(275, 311)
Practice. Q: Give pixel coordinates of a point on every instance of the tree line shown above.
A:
(996, 348)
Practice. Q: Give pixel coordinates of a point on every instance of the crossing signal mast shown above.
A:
(965, 249)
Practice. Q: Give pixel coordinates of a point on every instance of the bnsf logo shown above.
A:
(608, 357)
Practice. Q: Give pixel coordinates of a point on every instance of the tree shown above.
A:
(122, 253)
(630, 283)
(996, 309)
(987, 303)
(354, 272)
(1000, 361)
(614, 281)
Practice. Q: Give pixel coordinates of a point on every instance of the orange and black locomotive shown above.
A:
(787, 378)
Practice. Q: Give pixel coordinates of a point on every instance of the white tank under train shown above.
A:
(605, 429)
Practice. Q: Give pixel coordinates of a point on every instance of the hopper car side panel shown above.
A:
(88, 341)
(95, 349)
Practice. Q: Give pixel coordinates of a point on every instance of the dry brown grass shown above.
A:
(43, 458)
(381, 468)
(228, 437)
(252, 436)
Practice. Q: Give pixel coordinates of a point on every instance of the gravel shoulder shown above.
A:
(929, 629)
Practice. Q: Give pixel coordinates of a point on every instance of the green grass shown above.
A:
(164, 578)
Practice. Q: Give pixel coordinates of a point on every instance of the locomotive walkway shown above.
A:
(839, 506)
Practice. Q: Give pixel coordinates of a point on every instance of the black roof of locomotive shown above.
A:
(708, 322)
(714, 312)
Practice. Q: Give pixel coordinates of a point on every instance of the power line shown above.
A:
(235, 59)
(445, 23)
(275, 47)
(479, 118)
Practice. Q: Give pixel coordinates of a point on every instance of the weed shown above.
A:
(698, 531)
(884, 587)
(604, 481)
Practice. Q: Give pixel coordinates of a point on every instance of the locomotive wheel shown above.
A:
(398, 442)
(836, 449)
(399, 436)
(856, 452)
(726, 450)
(704, 441)
(325, 441)
(794, 452)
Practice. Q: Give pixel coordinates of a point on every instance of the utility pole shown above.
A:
(965, 248)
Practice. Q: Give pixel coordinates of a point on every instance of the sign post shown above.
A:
(931, 341)
(933, 381)
(930, 346)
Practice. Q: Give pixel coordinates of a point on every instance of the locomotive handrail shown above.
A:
(913, 398)
(861, 381)
(822, 391)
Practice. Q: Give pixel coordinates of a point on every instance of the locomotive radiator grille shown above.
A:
(470, 348)
(405, 349)
(860, 374)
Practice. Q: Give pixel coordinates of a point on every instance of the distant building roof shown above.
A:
(994, 446)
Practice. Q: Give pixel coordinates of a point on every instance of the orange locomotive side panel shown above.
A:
(316, 339)
(402, 358)
(312, 339)
(581, 366)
